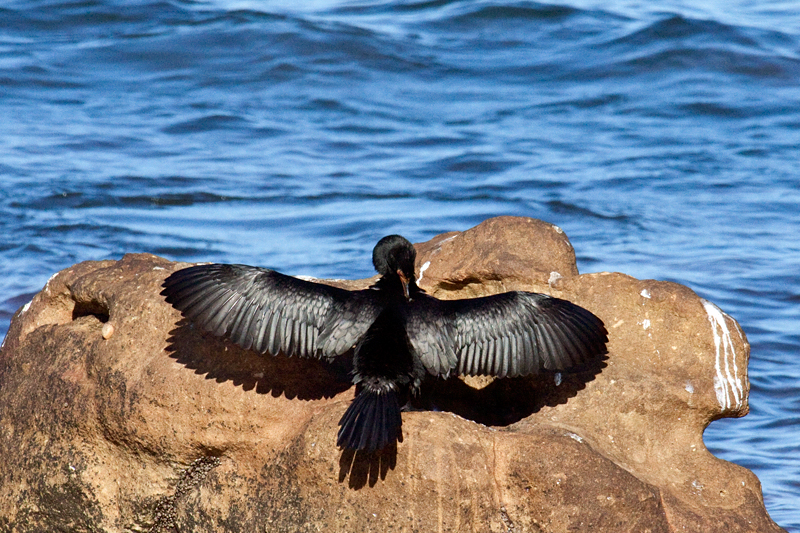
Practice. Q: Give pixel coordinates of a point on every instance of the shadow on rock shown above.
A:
(219, 359)
(505, 401)
(366, 467)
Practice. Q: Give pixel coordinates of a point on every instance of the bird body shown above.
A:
(399, 333)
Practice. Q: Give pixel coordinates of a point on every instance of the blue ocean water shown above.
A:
(664, 138)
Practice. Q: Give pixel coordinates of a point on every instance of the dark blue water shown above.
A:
(663, 139)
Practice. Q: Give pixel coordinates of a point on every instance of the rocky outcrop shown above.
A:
(116, 416)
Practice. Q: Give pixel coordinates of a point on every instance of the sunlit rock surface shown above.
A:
(116, 416)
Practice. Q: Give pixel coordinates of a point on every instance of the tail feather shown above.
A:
(372, 421)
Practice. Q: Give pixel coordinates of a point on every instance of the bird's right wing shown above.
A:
(519, 333)
(505, 335)
(267, 311)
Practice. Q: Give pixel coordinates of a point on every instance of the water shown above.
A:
(662, 138)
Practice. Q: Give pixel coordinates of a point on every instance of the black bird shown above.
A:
(399, 333)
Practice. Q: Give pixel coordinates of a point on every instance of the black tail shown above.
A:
(372, 421)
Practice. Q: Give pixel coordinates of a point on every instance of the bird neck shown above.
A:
(391, 285)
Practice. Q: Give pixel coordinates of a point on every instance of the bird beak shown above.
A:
(404, 281)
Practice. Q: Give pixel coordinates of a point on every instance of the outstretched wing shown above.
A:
(268, 311)
(509, 334)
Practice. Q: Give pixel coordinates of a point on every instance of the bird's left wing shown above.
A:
(271, 312)
(504, 335)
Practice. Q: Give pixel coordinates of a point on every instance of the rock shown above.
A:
(115, 416)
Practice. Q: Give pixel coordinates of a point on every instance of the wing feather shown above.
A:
(554, 346)
(262, 333)
(268, 311)
(505, 356)
(489, 357)
(273, 341)
(467, 360)
(516, 354)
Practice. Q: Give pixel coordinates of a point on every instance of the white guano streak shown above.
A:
(727, 385)
(422, 270)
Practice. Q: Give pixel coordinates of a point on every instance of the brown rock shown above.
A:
(110, 422)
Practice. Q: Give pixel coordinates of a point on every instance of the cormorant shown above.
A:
(398, 332)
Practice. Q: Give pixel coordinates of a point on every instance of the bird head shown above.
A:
(394, 258)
